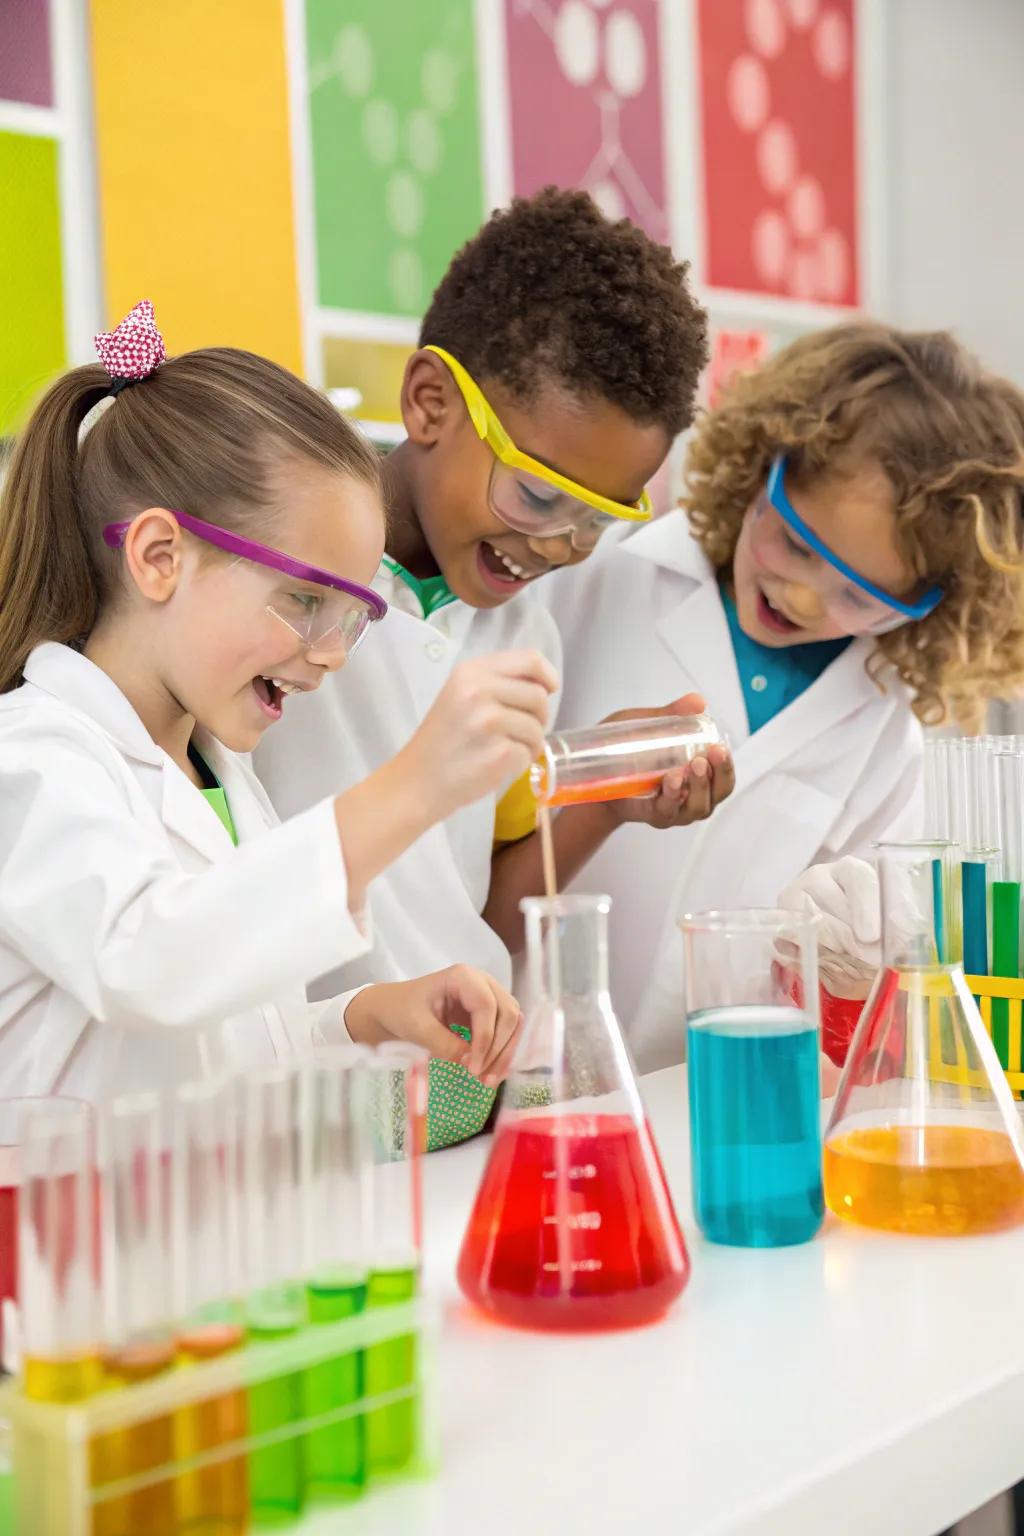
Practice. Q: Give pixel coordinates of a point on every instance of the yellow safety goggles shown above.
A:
(528, 496)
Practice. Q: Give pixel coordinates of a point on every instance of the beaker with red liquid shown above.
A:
(573, 1225)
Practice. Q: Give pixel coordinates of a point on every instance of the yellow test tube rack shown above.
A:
(53, 1443)
(949, 1065)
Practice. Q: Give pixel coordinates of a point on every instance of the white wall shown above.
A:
(954, 113)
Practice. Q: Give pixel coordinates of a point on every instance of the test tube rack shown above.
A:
(56, 1492)
(974, 796)
(1007, 1037)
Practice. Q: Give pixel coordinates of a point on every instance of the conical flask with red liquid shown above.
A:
(573, 1226)
(924, 1136)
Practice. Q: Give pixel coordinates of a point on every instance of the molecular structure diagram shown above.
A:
(793, 246)
(405, 143)
(601, 48)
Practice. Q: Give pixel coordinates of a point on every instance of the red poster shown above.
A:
(732, 352)
(584, 85)
(778, 114)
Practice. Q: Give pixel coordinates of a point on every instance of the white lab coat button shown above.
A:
(435, 650)
(759, 683)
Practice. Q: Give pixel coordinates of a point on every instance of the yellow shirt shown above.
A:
(515, 815)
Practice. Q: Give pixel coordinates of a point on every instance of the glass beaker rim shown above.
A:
(747, 920)
(915, 844)
(565, 906)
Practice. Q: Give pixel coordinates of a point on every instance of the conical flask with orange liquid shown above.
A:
(573, 1226)
(924, 1136)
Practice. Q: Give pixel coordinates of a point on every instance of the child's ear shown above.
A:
(154, 550)
(429, 397)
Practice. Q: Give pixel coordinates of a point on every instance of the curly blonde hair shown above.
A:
(950, 438)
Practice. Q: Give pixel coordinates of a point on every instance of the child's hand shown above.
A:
(485, 729)
(688, 793)
(844, 897)
(423, 1010)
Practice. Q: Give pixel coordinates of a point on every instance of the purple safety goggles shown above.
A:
(336, 617)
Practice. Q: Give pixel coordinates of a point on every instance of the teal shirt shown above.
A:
(773, 677)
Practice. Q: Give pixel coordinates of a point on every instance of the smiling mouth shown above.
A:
(773, 618)
(503, 568)
(271, 693)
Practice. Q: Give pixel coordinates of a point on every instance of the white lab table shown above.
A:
(858, 1384)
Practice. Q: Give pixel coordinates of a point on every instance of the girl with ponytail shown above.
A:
(184, 543)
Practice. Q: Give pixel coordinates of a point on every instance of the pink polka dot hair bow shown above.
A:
(134, 350)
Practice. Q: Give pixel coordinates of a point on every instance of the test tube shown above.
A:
(1006, 891)
(336, 1208)
(139, 1338)
(980, 830)
(10, 1173)
(207, 1293)
(11, 1115)
(618, 759)
(956, 791)
(58, 1252)
(980, 854)
(391, 1106)
(207, 1219)
(135, 1162)
(272, 1255)
(935, 800)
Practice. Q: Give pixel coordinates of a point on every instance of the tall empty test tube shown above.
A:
(392, 1104)
(336, 1267)
(206, 1171)
(936, 798)
(139, 1339)
(276, 1305)
(58, 1252)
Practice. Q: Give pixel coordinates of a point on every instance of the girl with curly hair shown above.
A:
(847, 571)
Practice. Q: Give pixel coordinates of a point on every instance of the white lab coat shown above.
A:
(835, 771)
(138, 946)
(426, 907)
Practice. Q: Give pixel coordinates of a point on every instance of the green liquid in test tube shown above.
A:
(393, 1109)
(276, 1306)
(335, 1192)
(1006, 891)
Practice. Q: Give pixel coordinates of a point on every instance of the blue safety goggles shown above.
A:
(855, 603)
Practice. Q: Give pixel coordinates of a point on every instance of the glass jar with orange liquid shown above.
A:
(924, 1136)
(619, 759)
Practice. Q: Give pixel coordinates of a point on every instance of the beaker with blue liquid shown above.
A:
(754, 1044)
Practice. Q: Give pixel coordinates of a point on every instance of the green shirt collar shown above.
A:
(431, 593)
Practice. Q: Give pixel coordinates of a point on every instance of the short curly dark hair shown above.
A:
(550, 289)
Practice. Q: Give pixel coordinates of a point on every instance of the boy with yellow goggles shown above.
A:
(529, 496)
(589, 344)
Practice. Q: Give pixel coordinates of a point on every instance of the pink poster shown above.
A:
(778, 117)
(585, 103)
(732, 352)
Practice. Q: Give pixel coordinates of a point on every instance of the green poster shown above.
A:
(31, 308)
(396, 147)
